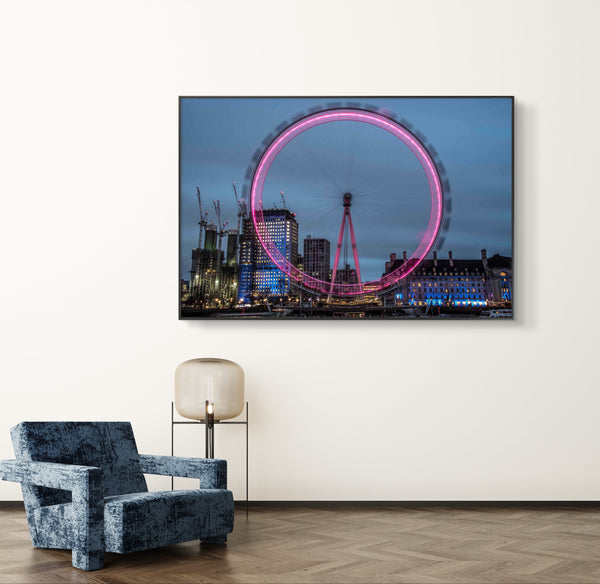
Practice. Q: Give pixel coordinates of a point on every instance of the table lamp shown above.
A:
(210, 390)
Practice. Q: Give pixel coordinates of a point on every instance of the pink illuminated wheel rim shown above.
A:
(433, 170)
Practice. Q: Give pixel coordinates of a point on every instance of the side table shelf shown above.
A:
(202, 422)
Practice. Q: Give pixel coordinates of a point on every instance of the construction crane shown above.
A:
(220, 226)
(283, 200)
(242, 208)
(203, 215)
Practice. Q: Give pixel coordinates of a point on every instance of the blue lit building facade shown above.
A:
(259, 277)
(453, 282)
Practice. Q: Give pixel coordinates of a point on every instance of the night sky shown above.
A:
(391, 200)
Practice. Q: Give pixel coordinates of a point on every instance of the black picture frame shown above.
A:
(488, 272)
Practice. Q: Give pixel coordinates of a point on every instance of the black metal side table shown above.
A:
(202, 422)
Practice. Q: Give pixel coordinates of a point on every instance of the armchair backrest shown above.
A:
(108, 445)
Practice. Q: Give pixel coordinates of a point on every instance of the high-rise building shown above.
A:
(346, 275)
(232, 247)
(205, 275)
(214, 275)
(210, 237)
(317, 260)
(230, 271)
(259, 276)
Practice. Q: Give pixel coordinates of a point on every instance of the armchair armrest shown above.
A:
(86, 486)
(49, 474)
(211, 472)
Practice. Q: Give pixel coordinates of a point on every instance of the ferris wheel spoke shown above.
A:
(317, 170)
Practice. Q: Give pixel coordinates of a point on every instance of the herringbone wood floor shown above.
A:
(344, 545)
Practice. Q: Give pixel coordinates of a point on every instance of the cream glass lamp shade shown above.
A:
(219, 381)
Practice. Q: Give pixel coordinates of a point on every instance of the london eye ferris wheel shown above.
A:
(359, 176)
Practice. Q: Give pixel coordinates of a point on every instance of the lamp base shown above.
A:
(209, 430)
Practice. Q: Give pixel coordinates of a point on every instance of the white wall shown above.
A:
(88, 312)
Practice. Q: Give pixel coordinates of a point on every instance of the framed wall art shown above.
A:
(346, 207)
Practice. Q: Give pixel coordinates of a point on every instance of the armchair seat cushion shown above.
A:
(141, 521)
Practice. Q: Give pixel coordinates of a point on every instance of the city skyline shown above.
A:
(472, 136)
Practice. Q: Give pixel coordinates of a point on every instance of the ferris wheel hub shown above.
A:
(347, 199)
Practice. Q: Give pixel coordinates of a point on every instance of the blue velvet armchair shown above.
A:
(84, 489)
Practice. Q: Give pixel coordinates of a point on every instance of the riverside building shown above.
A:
(453, 282)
